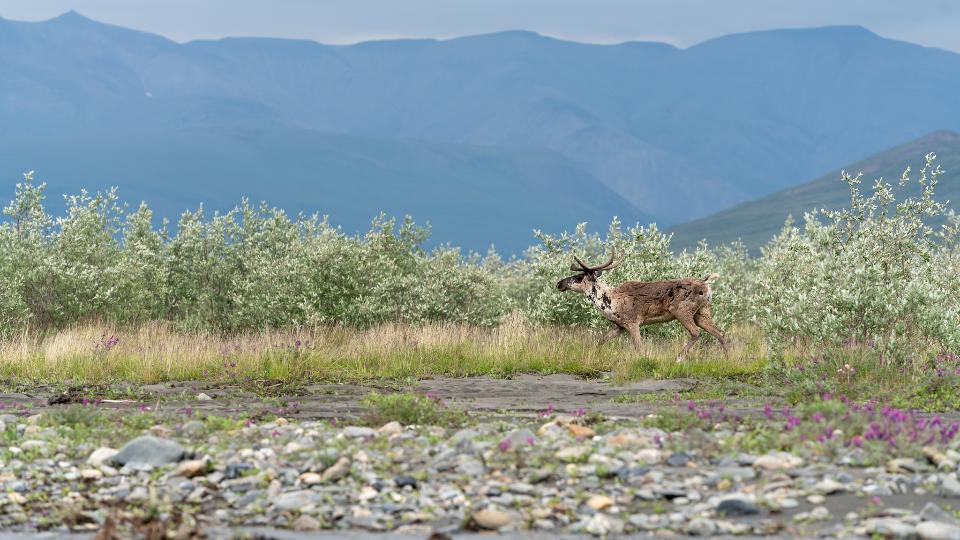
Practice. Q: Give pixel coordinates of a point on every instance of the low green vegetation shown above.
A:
(411, 409)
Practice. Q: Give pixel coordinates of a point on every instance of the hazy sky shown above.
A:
(680, 22)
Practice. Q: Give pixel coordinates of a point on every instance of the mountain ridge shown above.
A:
(677, 133)
(755, 222)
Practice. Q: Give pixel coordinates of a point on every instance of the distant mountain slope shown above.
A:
(472, 196)
(677, 133)
(755, 222)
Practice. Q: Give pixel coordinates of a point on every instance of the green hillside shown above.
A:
(756, 221)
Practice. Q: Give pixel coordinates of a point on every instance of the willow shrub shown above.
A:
(877, 274)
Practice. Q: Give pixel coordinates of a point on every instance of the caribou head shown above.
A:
(586, 276)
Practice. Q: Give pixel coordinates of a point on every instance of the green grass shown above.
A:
(410, 408)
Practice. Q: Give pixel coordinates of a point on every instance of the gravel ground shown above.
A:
(70, 470)
(611, 478)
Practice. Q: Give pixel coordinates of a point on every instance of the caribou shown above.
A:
(633, 304)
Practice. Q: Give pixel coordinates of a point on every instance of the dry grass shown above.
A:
(156, 352)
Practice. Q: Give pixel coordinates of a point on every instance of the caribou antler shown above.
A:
(582, 267)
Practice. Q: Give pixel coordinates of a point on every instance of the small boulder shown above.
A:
(933, 512)
(149, 450)
(934, 530)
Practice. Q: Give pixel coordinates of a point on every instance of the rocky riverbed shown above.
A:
(690, 470)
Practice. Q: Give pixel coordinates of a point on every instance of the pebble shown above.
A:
(91, 475)
(580, 432)
(203, 397)
(829, 486)
(337, 471)
(359, 432)
(678, 459)
(191, 468)
(391, 428)
(700, 527)
(779, 460)
(100, 456)
(890, 528)
(599, 502)
(573, 453)
(310, 479)
(305, 523)
(492, 519)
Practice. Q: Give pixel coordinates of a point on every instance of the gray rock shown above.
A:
(603, 525)
(359, 432)
(518, 438)
(829, 486)
(933, 512)
(236, 470)
(678, 459)
(700, 527)
(305, 524)
(293, 500)
(934, 530)
(192, 427)
(149, 450)
(464, 435)
(890, 528)
(470, 465)
(404, 481)
(737, 506)
(950, 487)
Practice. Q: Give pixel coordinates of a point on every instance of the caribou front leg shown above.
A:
(612, 334)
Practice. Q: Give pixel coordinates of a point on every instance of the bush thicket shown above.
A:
(877, 274)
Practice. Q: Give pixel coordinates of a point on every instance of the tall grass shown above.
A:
(158, 352)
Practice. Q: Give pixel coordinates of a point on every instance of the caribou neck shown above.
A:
(599, 294)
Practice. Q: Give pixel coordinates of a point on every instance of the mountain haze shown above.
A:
(644, 131)
(755, 222)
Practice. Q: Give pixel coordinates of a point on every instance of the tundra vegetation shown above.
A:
(838, 331)
(864, 300)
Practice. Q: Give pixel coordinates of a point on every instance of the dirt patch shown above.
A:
(525, 395)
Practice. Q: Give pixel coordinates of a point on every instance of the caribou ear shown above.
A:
(598, 273)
